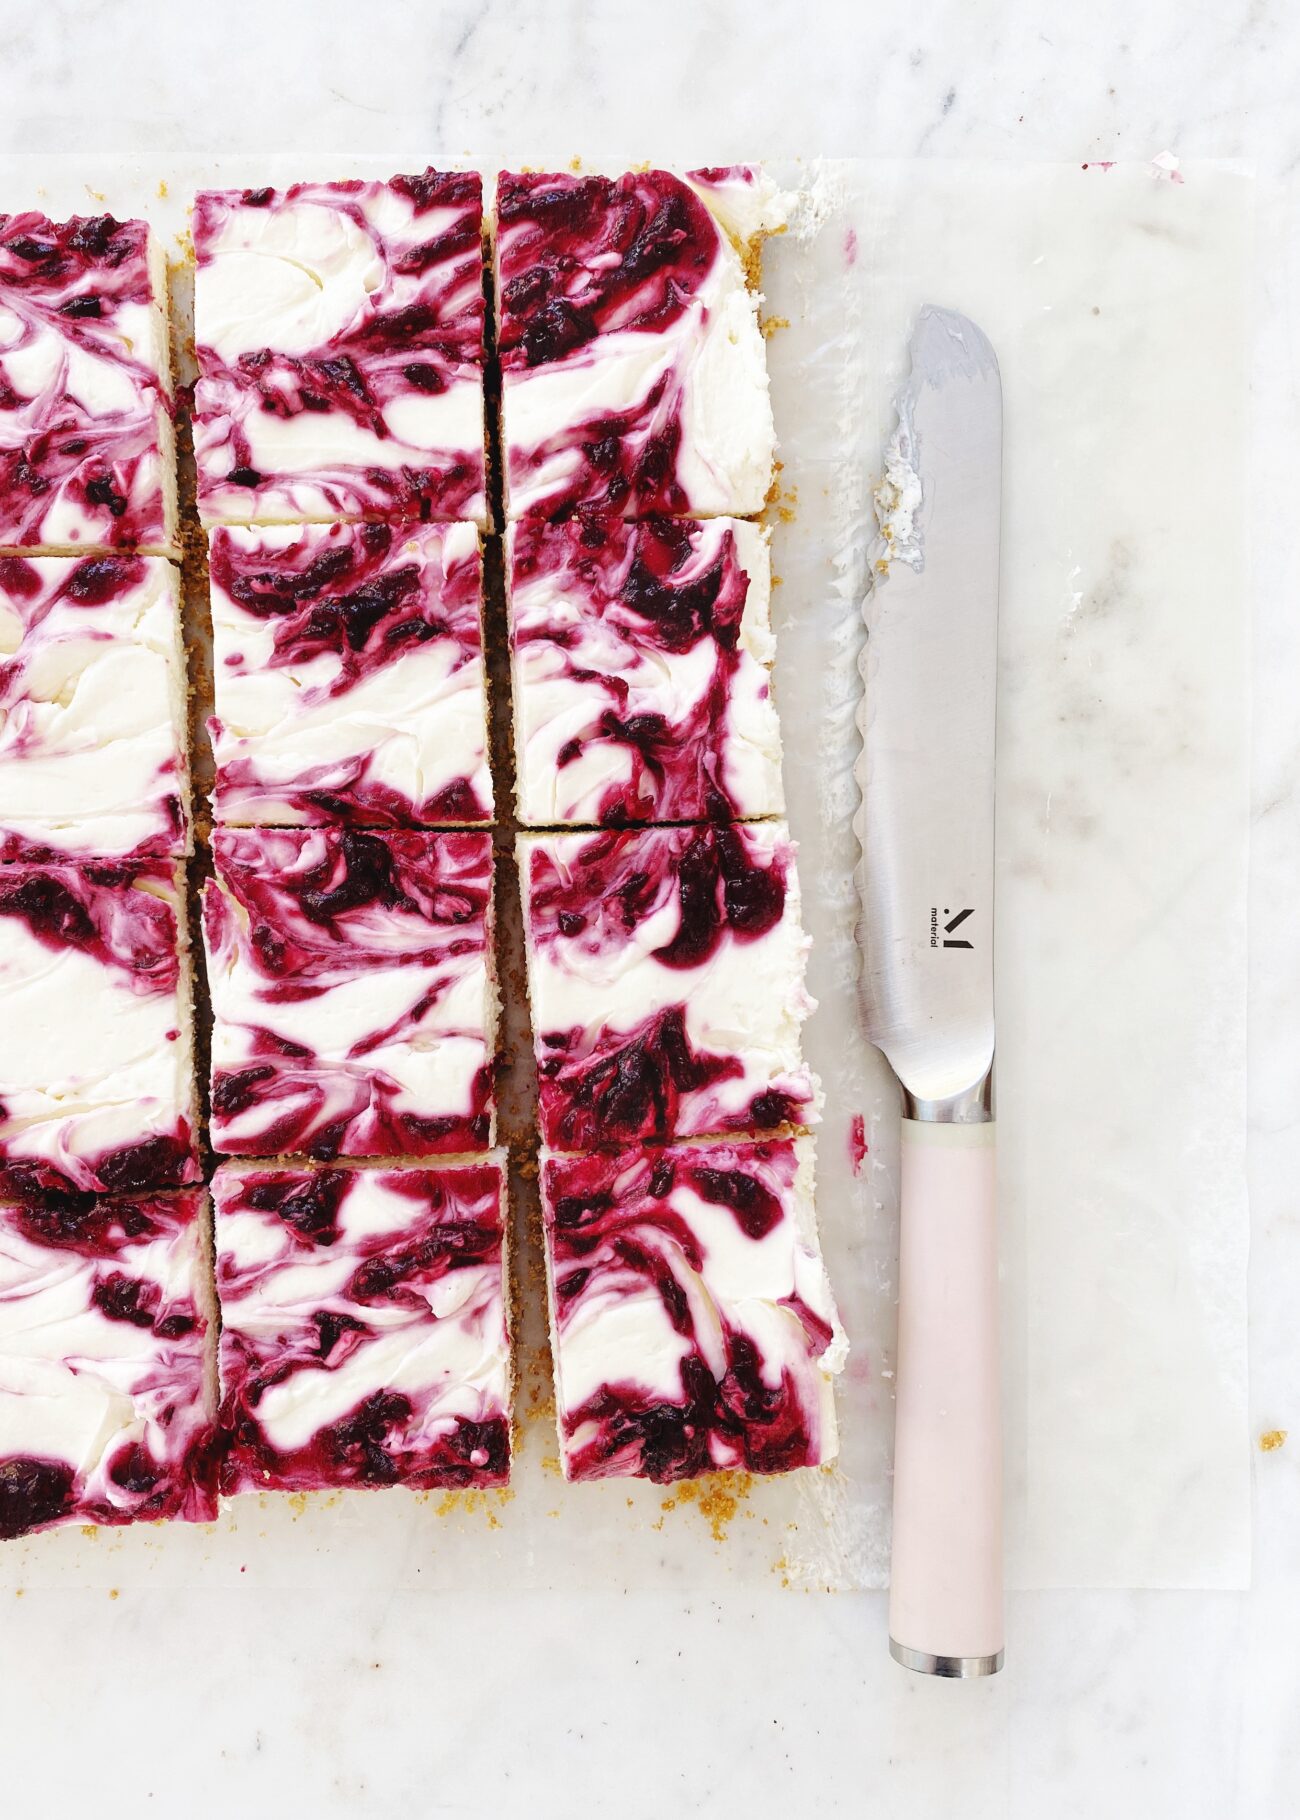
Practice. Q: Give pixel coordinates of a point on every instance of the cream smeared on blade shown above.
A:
(946, 346)
(898, 499)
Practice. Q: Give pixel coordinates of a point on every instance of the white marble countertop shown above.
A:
(326, 1703)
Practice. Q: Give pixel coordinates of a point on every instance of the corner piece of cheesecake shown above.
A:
(107, 1362)
(87, 456)
(364, 1326)
(666, 976)
(92, 709)
(353, 1000)
(634, 371)
(641, 664)
(96, 1053)
(348, 675)
(339, 336)
(692, 1323)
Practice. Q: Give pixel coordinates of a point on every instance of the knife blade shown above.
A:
(926, 937)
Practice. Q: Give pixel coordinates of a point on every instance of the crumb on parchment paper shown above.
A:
(717, 1498)
(1272, 1439)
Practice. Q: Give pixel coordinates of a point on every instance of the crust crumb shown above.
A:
(781, 504)
(1272, 1439)
(475, 1500)
(751, 259)
(717, 1498)
(774, 487)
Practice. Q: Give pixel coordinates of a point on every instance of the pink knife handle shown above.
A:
(945, 1604)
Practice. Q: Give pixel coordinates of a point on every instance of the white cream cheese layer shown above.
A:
(403, 730)
(291, 278)
(345, 1029)
(705, 370)
(710, 366)
(97, 404)
(304, 271)
(728, 437)
(92, 707)
(339, 334)
(760, 1288)
(744, 198)
(317, 455)
(78, 1387)
(572, 661)
(443, 1345)
(746, 1001)
(423, 1029)
(92, 1061)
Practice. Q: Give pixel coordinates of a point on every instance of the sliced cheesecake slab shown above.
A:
(92, 709)
(96, 1054)
(641, 662)
(348, 675)
(339, 335)
(364, 1326)
(354, 1010)
(633, 367)
(692, 1323)
(86, 445)
(666, 976)
(107, 1362)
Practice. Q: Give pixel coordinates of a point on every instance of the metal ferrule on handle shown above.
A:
(945, 1606)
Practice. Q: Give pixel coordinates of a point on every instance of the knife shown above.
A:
(930, 672)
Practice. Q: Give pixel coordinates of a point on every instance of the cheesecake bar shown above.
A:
(634, 375)
(666, 975)
(92, 709)
(86, 444)
(107, 1362)
(692, 1323)
(354, 1010)
(339, 335)
(641, 662)
(348, 675)
(364, 1326)
(96, 1058)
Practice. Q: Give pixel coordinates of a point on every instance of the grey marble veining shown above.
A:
(1159, 1704)
(942, 79)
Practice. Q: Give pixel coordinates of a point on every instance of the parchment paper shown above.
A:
(1117, 301)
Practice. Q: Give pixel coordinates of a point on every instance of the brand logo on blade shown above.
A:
(944, 935)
